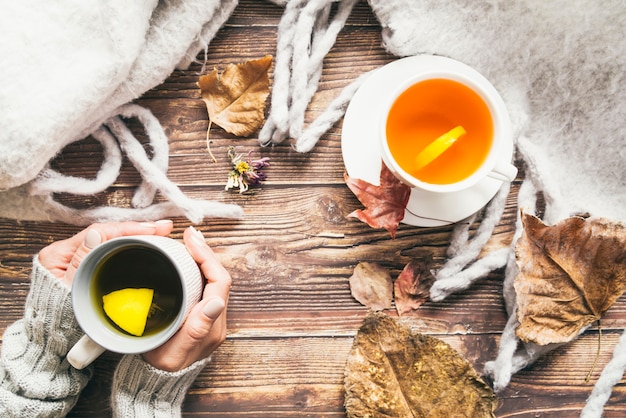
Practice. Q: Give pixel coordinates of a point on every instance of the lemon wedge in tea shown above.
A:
(438, 147)
(129, 309)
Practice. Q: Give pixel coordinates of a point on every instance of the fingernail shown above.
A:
(214, 307)
(164, 221)
(197, 236)
(92, 238)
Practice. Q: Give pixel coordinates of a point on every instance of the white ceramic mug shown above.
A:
(494, 164)
(140, 261)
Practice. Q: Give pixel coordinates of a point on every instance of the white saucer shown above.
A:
(362, 157)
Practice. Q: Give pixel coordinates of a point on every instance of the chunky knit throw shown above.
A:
(70, 69)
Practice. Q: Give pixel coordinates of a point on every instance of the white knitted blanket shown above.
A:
(70, 68)
(560, 67)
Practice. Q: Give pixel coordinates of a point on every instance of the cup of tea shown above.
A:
(131, 294)
(444, 129)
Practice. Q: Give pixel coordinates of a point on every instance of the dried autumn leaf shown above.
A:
(412, 287)
(370, 284)
(235, 100)
(393, 372)
(569, 276)
(385, 204)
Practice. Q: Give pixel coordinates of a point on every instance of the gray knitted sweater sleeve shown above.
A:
(142, 391)
(35, 378)
(37, 381)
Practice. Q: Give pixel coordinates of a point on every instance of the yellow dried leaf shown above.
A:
(394, 372)
(235, 100)
(569, 276)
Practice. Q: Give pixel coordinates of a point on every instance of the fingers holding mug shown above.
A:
(205, 327)
(131, 294)
(218, 278)
(98, 233)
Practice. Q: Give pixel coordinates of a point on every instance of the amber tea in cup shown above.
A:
(429, 109)
(444, 129)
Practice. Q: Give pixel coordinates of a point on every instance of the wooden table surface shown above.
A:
(291, 316)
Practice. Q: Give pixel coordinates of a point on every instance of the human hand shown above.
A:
(62, 258)
(205, 327)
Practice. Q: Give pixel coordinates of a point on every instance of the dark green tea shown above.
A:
(140, 267)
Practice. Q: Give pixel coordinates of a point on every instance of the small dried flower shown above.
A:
(245, 173)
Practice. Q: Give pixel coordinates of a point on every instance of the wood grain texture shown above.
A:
(292, 318)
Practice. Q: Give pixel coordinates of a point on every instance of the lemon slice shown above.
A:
(438, 147)
(129, 309)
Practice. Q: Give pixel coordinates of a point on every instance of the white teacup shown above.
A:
(155, 262)
(494, 163)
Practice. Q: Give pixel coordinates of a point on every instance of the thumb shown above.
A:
(91, 240)
(199, 324)
(203, 331)
(213, 308)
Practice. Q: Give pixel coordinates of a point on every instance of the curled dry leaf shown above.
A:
(384, 204)
(370, 284)
(393, 372)
(412, 287)
(235, 100)
(569, 276)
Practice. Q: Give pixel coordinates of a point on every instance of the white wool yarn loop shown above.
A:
(155, 175)
(451, 277)
(447, 285)
(329, 117)
(116, 139)
(144, 195)
(276, 126)
(307, 69)
(52, 181)
(301, 66)
(501, 369)
(305, 35)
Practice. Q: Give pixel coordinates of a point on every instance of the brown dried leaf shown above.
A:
(370, 284)
(412, 287)
(393, 372)
(569, 276)
(384, 204)
(236, 99)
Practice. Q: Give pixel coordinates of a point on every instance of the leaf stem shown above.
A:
(208, 142)
(595, 362)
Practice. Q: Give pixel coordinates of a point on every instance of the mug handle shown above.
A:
(84, 352)
(503, 171)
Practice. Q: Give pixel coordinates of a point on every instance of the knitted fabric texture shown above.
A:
(560, 67)
(306, 33)
(35, 378)
(140, 390)
(99, 56)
